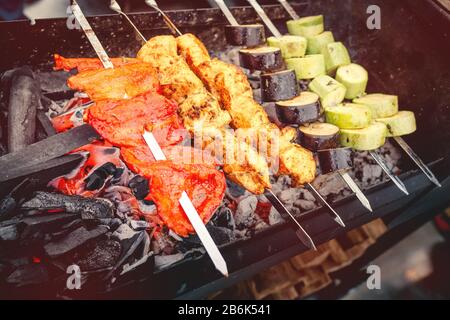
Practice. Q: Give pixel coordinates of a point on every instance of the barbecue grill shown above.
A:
(408, 56)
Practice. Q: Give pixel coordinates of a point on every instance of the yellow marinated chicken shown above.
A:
(179, 83)
(230, 85)
(201, 110)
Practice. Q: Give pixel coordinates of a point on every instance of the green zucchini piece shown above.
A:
(308, 67)
(306, 27)
(316, 43)
(330, 91)
(382, 105)
(401, 124)
(349, 116)
(367, 139)
(354, 77)
(291, 46)
(336, 55)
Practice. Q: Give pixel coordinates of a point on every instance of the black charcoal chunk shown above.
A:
(139, 186)
(73, 240)
(28, 275)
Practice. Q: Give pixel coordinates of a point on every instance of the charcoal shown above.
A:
(45, 124)
(234, 190)
(46, 223)
(66, 229)
(275, 217)
(224, 218)
(9, 233)
(103, 255)
(24, 100)
(73, 240)
(89, 208)
(28, 275)
(162, 262)
(112, 223)
(97, 179)
(139, 225)
(139, 186)
(7, 207)
(123, 232)
(245, 213)
(305, 205)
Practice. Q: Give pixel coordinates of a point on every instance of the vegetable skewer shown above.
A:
(259, 10)
(378, 159)
(301, 233)
(185, 202)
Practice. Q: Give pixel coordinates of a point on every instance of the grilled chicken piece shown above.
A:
(122, 122)
(84, 64)
(230, 85)
(124, 82)
(178, 82)
(242, 163)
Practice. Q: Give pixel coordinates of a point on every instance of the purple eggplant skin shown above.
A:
(279, 86)
(332, 160)
(265, 62)
(299, 114)
(315, 143)
(245, 35)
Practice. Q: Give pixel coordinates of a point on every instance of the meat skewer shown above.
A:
(254, 160)
(275, 31)
(185, 202)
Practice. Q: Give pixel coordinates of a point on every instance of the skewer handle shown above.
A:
(227, 13)
(289, 9)
(261, 13)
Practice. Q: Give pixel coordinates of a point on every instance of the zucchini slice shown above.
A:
(332, 160)
(382, 105)
(367, 139)
(329, 90)
(309, 67)
(291, 46)
(305, 108)
(250, 35)
(306, 27)
(349, 116)
(266, 59)
(401, 124)
(336, 55)
(354, 78)
(318, 136)
(276, 86)
(318, 42)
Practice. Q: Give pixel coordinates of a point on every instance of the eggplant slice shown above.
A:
(319, 136)
(277, 86)
(249, 35)
(266, 59)
(332, 160)
(305, 108)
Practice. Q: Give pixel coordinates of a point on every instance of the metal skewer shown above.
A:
(345, 176)
(410, 152)
(260, 11)
(226, 12)
(380, 161)
(116, 7)
(300, 232)
(289, 9)
(184, 201)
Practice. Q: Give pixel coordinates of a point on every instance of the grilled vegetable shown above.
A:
(278, 86)
(319, 136)
(382, 105)
(291, 46)
(329, 90)
(266, 59)
(354, 78)
(316, 43)
(304, 108)
(349, 116)
(401, 124)
(336, 55)
(332, 160)
(308, 67)
(250, 35)
(370, 138)
(306, 27)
